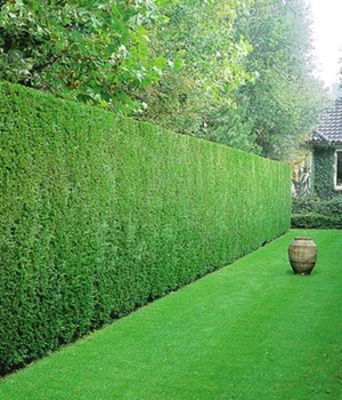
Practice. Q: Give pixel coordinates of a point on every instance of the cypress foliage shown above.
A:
(100, 214)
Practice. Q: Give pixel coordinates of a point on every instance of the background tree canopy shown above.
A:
(92, 51)
(257, 91)
(201, 41)
(286, 100)
(237, 72)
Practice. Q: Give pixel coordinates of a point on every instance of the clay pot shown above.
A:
(302, 255)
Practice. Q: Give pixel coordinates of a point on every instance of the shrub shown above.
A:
(312, 212)
(101, 214)
(312, 220)
(305, 204)
(331, 207)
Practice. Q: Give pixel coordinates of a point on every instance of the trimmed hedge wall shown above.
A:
(101, 214)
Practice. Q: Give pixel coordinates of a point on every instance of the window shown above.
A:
(338, 170)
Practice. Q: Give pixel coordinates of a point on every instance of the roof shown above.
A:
(329, 131)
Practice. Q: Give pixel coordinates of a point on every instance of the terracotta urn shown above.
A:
(302, 255)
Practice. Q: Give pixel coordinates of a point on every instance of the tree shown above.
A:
(92, 51)
(232, 127)
(285, 101)
(206, 65)
(238, 72)
(242, 74)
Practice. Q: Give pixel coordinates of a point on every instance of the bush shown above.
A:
(101, 214)
(312, 212)
(312, 220)
(331, 207)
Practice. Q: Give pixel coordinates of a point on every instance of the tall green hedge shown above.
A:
(99, 215)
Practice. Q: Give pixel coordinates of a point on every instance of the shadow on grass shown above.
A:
(290, 272)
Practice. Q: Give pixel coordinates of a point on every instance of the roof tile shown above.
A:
(330, 128)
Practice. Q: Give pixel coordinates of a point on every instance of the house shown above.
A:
(326, 145)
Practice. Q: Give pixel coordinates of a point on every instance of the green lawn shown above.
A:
(252, 330)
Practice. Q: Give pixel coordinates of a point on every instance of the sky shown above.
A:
(327, 33)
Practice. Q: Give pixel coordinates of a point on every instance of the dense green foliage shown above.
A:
(323, 172)
(270, 100)
(285, 101)
(323, 208)
(102, 52)
(100, 214)
(313, 212)
(92, 51)
(236, 72)
(201, 36)
(253, 330)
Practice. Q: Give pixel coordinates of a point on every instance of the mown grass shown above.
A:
(253, 330)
